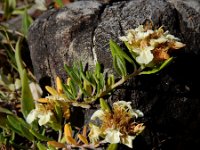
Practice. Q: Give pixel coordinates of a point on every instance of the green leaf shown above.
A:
(110, 80)
(39, 136)
(41, 146)
(119, 66)
(97, 69)
(104, 105)
(116, 50)
(112, 147)
(58, 112)
(15, 125)
(27, 100)
(157, 69)
(73, 88)
(14, 122)
(18, 58)
(68, 91)
(3, 121)
(74, 76)
(5, 111)
(9, 6)
(26, 22)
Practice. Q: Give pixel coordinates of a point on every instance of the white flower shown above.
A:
(112, 136)
(97, 114)
(41, 113)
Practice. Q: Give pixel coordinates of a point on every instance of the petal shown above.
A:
(123, 104)
(171, 37)
(155, 42)
(128, 141)
(44, 118)
(94, 133)
(143, 35)
(123, 38)
(31, 116)
(177, 45)
(40, 4)
(136, 113)
(35, 90)
(97, 114)
(112, 136)
(145, 57)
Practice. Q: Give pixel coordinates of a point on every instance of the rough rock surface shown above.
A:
(169, 99)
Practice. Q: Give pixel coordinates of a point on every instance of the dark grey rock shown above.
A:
(170, 99)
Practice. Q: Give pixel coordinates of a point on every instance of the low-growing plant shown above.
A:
(45, 122)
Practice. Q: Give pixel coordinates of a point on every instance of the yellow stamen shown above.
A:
(51, 90)
(83, 139)
(56, 144)
(59, 85)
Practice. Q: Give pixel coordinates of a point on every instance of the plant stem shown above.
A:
(59, 135)
(120, 82)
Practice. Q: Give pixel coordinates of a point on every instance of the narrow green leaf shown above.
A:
(73, 88)
(13, 121)
(9, 6)
(157, 69)
(41, 146)
(110, 80)
(26, 22)
(104, 105)
(15, 125)
(67, 91)
(119, 52)
(115, 65)
(27, 100)
(121, 64)
(97, 68)
(58, 112)
(74, 76)
(112, 147)
(39, 136)
(3, 121)
(26, 133)
(20, 127)
(85, 78)
(18, 58)
(6, 111)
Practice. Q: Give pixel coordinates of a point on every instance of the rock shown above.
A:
(169, 99)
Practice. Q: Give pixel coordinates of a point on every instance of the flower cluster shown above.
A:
(45, 107)
(117, 125)
(147, 45)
